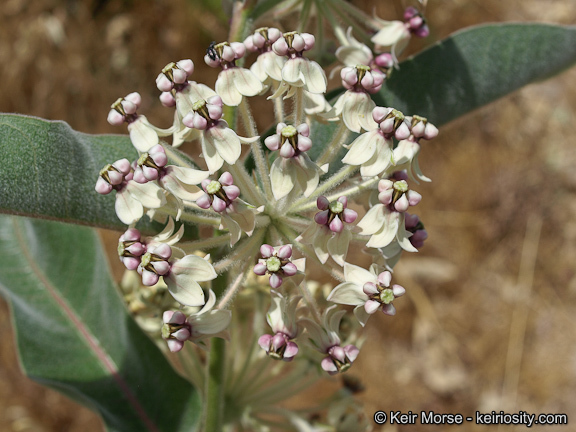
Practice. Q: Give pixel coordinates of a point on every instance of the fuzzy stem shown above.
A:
(309, 202)
(298, 114)
(341, 135)
(232, 290)
(207, 243)
(257, 151)
(242, 254)
(177, 158)
(246, 184)
(188, 215)
(278, 105)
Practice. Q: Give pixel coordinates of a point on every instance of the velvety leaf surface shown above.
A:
(476, 66)
(74, 334)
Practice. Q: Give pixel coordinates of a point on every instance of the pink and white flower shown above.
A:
(293, 167)
(277, 262)
(219, 142)
(326, 340)
(328, 235)
(131, 197)
(281, 318)
(233, 82)
(206, 323)
(367, 290)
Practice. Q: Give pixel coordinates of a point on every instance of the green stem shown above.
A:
(298, 114)
(257, 151)
(214, 388)
(250, 191)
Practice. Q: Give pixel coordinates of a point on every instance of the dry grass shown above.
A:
(489, 316)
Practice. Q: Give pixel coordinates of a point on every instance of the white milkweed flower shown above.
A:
(384, 222)
(219, 142)
(326, 340)
(407, 151)
(204, 324)
(178, 91)
(131, 197)
(268, 65)
(299, 71)
(179, 181)
(293, 166)
(328, 235)
(367, 290)
(396, 34)
(281, 318)
(233, 82)
(236, 215)
(143, 135)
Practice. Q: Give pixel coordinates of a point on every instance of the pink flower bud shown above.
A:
(226, 179)
(349, 215)
(322, 203)
(149, 278)
(204, 202)
(385, 278)
(167, 100)
(275, 280)
(102, 186)
(266, 251)
(187, 65)
(370, 289)
(284, 252)
(336, 225)
(321, 218)
(163, 83)
(115, 118)
(218, 204)
(232, 192)
(290, 269)
(260, 269)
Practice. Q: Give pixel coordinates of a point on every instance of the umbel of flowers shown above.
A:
(288, 213)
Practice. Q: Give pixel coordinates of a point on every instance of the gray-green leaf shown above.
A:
(74, 334)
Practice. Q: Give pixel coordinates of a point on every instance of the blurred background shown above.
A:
(488, 320)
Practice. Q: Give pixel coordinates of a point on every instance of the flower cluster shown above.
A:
(284, 215)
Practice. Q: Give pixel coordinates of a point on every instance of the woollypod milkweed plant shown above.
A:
(227, 247)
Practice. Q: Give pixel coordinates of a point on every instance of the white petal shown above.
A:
(211, 323)
(380, 161)
(233, 228)
(363, 148)
(227, 90)
(347, 293)
(143, 137)
(128, 209)
(181, 190)
(282, 181)
(358, 275)
(291, 72)
(213, 159)
(373, 220)
(390, 33)
(225, 141)
(198, 268)
(361, 314)
(387, 234)
(314, 77)
(189, 176)
(338, 246)
(185, 289)
(246, 82)
(323, 235)
(149, 194)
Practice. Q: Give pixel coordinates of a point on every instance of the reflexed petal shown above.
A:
(213, 159)
(358, 275)
(390, 33)
(282, 181)
(381, 160)
(128, 209)
(372, 220)
(149, 194)
(246, 82)
(183, 191)
(291, 72)
(226, 88)
(194, 266)
(211, 322)
(363, 148)
(233, 228)
(143, 137)
(320, 243)
(347, 293)
(361, 314)
(185, 289)
(189, 176)
(338, 246)
(225, 141)
(314, 77)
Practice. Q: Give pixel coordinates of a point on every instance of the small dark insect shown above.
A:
(211, 52)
